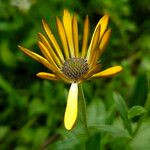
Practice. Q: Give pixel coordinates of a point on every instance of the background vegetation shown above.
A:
(32, 109)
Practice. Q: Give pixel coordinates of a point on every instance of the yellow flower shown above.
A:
(69, 63)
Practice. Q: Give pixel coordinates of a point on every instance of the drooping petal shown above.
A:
(75, 35)
(85, 37)
(46, 75)
(38, 58)
(62, 36)
(67, 22)
(72, 107)
(53, 40)
(108, 72)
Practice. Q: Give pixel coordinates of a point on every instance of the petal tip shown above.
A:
(106, 16)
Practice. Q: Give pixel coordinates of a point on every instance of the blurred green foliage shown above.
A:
(31, 109)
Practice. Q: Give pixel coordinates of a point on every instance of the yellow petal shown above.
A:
(62, 36)
(95, 38)
(103, 25)
(46, 53)
(105, 40)
(50, 49)
(93, 61)
(75, 35)
(94, 44)
(100, 49)
(63, 77)
(46, 75)
(85, 37)
(67, 21)
(38, 58)
(56, 69)
(92, 71)
(72, 107)
(53, 40)
(108, 72)
(103, 22)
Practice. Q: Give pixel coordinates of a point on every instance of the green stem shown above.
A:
(82, 104)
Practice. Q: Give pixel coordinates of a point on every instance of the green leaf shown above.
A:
(121, 105)
(123, 110)
(71, 142)
(136, 111)
(142, 139)
(112, 130)
(96, 112)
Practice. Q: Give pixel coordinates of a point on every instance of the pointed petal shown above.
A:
(105, 40)
(62, 36)
(38, 58)
(72, 107)
(108, 72)
(100, 49)
(50, 49)
(103, 22)
(85, 37)
(95, 39)
(67, 21)
(103, 25)
(46, 75)
(94, 44)
(75, 35)
(53, 40)
(46, 53)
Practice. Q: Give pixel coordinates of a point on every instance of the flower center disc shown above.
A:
(75, 68)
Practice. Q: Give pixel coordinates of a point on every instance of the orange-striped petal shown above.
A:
(75, 35)
(53, 40)
(46, 53)
(94, 44)
(103, 25)
(67, 21)
(46, 75)
(108, 72)
(85, 37)
(103, 22)
(93, 61)
(38, 58)
(62, 36)
(101, 48)
(50, 49)
(105, 40)
(72, 107)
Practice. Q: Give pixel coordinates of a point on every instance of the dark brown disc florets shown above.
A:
(75, 68)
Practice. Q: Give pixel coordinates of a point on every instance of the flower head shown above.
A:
(69, 63)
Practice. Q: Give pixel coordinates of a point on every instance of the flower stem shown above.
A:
(82, 104)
